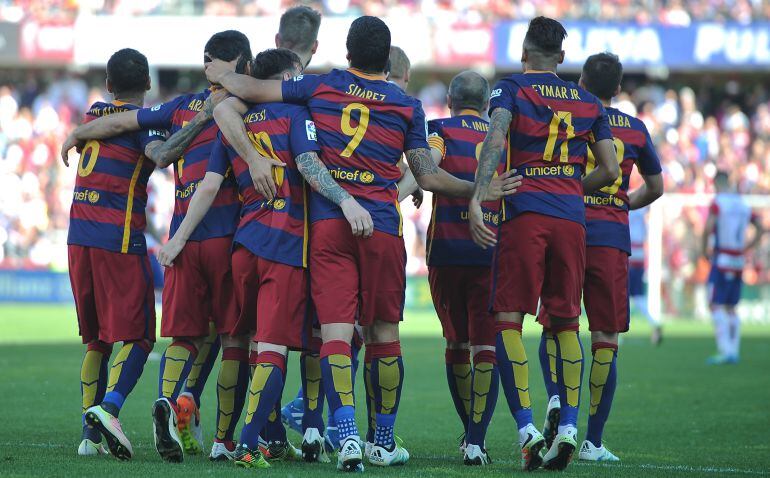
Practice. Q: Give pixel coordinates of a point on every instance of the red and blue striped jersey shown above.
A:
(111, 188)
(222, 218)
(276, 230)
(553, 123)
(364, 125)
(607, 209)
(449, 239)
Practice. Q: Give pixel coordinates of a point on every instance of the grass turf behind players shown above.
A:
(673, 415)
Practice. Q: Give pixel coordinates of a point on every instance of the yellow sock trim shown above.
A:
(463, 378)
(550, 348)
(370, 396)
(203, 354)
(571, 364)
(89, 377)
(117, 365)
(517, 356)
(389, 377)
(262, 372)
(600, 370)
(343, 380)
(482, 380)
(176, 359)
(227, 380)
(312, 380)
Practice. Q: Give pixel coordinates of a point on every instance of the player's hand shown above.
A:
(216, 69)
(69, 143)
(216, 97)
(359, 218)
(261, 171)
(480, 233)
(169, 252)
(417, 197)
(503, 185)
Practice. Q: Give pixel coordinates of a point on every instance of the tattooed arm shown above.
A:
(163, 153)
(316, 174)
(489, 158)
(429, 176)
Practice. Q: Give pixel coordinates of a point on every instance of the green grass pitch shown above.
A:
(672, 416)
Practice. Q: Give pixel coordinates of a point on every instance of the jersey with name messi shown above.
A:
(364, 125)
(449, 240)
(607, 209)
(553, 123)
(111, 188)
(275, 230)
(221, 219)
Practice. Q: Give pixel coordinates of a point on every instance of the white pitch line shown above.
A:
(638, 466)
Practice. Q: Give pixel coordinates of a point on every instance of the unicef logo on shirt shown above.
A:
(367, 177)
(93, 197)
(618, 201)
(569, 169)
(279, 204)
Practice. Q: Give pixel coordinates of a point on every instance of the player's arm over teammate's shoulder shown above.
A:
(104, 127)
(246, 87)
(229, 118)
(648, 165)
(408, 184)
(164, 153)
(607, 167)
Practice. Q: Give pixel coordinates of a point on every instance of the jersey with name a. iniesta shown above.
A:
(553, 123)
(364, 125)
(607, 208)
(449, 242)
(275, 230)
(110, 196)
(222, 218)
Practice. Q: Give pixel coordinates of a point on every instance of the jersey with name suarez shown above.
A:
(110, 194)
(276, 230)
(733, 216)
(222, 218)
(553, 123)
(449, 239)
(364, 125)
(607, 209)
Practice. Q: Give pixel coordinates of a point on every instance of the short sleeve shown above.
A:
(600, 130)
(503, 96)
(219, 161)
(648, 161)
(302, 134)
(148, 136)
(417, 132)
(159, 116)
(435, 140)
(300, 89)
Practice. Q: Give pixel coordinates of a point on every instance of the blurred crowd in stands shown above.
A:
(721, 126)
(670, 12)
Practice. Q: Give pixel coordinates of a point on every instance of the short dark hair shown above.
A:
(274, 61)
(299, 28)
(399, 63)
(128, 71)
(229, 45)
(545, 36)
(602, 74)
(368, 44)
(722, 178)
(469, 90)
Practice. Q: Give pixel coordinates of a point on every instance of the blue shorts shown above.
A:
(725, 287)
(635, 281)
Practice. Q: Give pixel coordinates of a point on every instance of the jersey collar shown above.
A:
(366, 76)
(469, 112)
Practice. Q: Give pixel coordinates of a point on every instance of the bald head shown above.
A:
(468, 91)
(399, 67)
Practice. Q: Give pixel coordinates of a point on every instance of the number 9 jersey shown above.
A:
(553, 123)
(364, 125)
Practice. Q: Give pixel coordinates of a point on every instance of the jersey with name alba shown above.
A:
(276, 230)
(607, 209)
(449, 240)
(364, 125)
(189, 170)
(553, 123)
(110, 196)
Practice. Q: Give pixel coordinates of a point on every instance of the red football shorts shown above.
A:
(605, 292)
(199, 289)
(461, 298)
(539, 257)
(114, 295)
(351, 275)
(272, 299)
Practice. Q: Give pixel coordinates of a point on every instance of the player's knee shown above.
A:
(475, 349)
(605, 337)
(338, 331)
(263, 347)
(515, 317)
(383, 332)
(240, 341)
(457, 345)
(144, 344)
